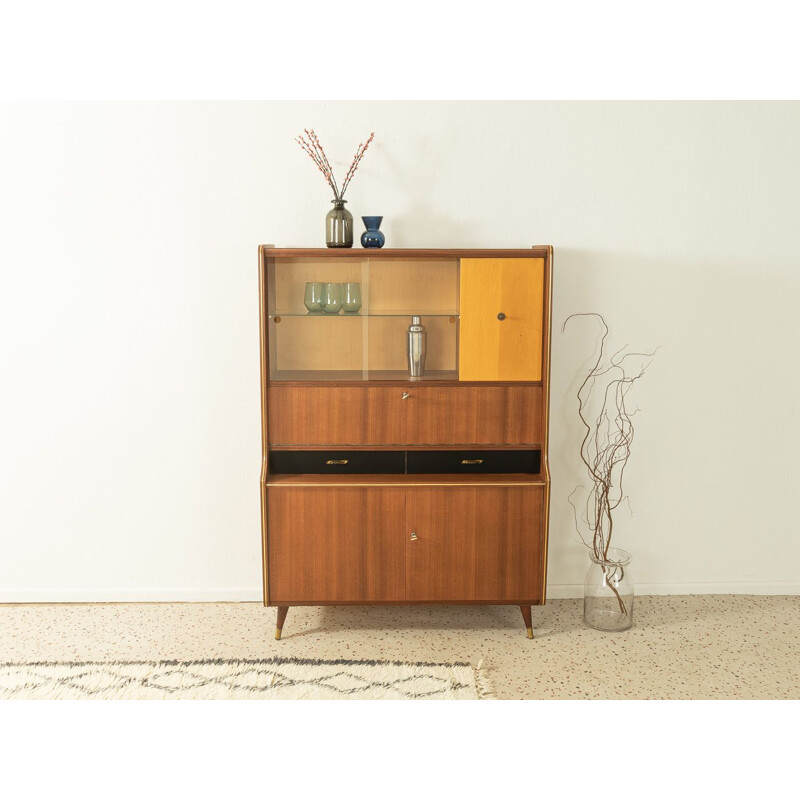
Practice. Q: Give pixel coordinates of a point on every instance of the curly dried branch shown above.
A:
(606, 444)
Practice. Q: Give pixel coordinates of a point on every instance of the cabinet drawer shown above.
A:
(468, 461)
(404, 414)
(321, 462)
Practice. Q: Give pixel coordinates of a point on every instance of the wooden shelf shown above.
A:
(357, 375)
(382, 377)
(302, 312)
(405, 480)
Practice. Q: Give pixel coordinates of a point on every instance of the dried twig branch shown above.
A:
(606, 445)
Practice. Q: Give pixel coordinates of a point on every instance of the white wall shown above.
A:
(129, 384)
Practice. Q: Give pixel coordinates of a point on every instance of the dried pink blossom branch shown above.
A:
(316, 152)
(362, 148)
(324, 158)
(317, 155)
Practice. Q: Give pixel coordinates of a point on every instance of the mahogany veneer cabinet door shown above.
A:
(474, 544)
(335, 545)
(412, 414)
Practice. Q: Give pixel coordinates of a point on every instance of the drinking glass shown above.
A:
(331, 298)
(313, 298)
(351, 297)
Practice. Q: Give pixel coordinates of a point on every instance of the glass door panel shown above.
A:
(326, 342)
(332, 343)
(419, 286)
(388, 346)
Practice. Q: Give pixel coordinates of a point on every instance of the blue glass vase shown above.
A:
(372, 236)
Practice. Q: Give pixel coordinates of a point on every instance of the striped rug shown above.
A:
(243, 679)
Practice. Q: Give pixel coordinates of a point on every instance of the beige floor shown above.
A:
(698, 646)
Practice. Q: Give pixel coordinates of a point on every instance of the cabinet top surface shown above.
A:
(538, 251)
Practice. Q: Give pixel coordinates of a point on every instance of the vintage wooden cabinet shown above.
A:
(381, 488)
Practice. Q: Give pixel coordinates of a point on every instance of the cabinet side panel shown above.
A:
(263, 352)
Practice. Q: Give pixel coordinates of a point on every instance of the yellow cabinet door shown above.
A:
(501, 307)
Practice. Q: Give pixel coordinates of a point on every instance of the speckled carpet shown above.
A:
(228, 679)
(681, 647)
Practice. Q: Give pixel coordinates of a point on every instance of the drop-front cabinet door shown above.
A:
(476, 543)
(337, 544)
(501, 308)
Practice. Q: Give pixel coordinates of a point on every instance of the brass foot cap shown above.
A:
(530, 633)
(277, 633)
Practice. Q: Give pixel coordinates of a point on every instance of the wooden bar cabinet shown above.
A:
(380, 488)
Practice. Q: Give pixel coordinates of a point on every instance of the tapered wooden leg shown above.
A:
(284, 610)
(526, 615)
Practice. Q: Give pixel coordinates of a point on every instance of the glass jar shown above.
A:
(608, 592)
(339, 226)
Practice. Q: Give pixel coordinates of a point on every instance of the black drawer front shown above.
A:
(321, 462)
(428, 461)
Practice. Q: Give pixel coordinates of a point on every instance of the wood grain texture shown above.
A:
(508, 349)
(546, 351)
(328, 544)
(526, 618)
(360, 415)
(517, 601)
(474, 414)
(477, 544)
(263, 314)
(537, 251)
(440, 479)
(410, 447)
(318, 560)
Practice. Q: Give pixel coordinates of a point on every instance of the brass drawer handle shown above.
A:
(336, 461)
(472, 461)
(406, 395)
(414, 536)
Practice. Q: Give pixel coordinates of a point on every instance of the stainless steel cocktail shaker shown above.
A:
(417, 347)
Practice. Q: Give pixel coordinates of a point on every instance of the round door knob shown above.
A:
(501, 316)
